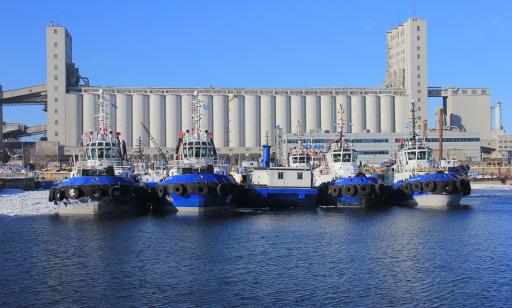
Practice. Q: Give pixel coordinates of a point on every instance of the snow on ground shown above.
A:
(16, 202)
(485, 186)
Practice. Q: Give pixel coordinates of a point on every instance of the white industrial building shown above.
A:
(242, 119)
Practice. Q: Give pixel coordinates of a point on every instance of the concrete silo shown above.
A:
(344, 100)
(74, 119)
(358, 113)
(283, 112)
(235, 121)
(252, 121)
(372, 113)
(268, 119)
(312, 112)
(157, 119)
(172, 120)
(140, 107)
(124, 118)
(387, 114)
(327, 119)
(298, 113)
(220, 120)
(89, 110)
(402, 107)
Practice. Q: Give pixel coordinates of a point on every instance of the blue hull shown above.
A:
(280, 197)
(192, 201)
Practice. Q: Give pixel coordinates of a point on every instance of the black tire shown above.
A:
(381, 189)
(335, 191)
(179, 189)
(96, 193)
(406, 188)
(445, 187)
(364, 190)
(51, 195)
(160, 191)
(115, 192)
(73, 192)
(349, 190)
(450, 187)
(223, 189)
(201, 189)
(59, 194)
(466, 186)
(417, 186)
(429, 186)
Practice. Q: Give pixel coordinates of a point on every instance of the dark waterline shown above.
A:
(316, 257)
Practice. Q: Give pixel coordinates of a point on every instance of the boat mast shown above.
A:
(412, 124)
(102, 114)
(340, 123)
(299, 135)
(196, 115)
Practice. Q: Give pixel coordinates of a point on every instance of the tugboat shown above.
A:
(198, 181)
(102, 180)
(348, 186)
(286, 184)
(416, 176)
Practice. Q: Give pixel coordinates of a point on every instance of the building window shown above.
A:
(54, 31)
(55, 67)
(417, 28)
(55, 56)
(418, 67)
(56, 134)
(56, 110)
(55, 44)
(280, 175)
(419, 76)
(419, 108)
(417, 56)
(418, 48)
(56, 88)
(56, 122)
(419, 100)
(55, 77)
(419, 91)
(299, 175)
(419, 83)
(56, 99)
(418, 38)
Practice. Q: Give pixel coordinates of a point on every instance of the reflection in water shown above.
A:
(336, 256)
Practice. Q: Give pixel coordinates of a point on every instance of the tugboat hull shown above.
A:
(431, 200)
(106, 206)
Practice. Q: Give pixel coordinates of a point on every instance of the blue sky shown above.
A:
(254, 44)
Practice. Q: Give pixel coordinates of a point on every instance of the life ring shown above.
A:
(349, 190)
(223, 189)
(335, 191)
(160, 191)
(96, 193)
(115, 192)
(429, 186)
(364, 190)
(417, 186)
(201, 189)
(179, 189)
(73, 192)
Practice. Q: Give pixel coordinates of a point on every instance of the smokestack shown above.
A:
(497, 116)
(440, 137)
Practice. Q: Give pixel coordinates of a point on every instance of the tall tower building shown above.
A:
(64, 110)
(407, 64)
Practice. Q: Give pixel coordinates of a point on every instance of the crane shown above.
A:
(155, 143)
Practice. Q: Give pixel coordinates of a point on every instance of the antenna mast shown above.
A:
(340, 122)
(196, 114)
(412, 125)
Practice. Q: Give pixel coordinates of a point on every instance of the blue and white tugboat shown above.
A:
(198, 181)
(417, 178)
(102, 180)
(347, 186)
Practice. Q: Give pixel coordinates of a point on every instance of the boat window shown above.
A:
(347, 157)
(190, 152)
(280, 175)
(108, 153)
(411, 155)
(210, 152)
(422, 155)
(93, 153)
(101, 153)
(299, 175)
(198, 152)
(203, 151)
(429, 155)
(308, 159)
(295, 160)
(337, 157)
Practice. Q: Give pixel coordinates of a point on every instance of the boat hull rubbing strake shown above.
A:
(359, 191)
